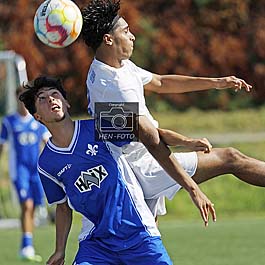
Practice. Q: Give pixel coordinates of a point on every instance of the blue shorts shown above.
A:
(150, 251)
(28, 186)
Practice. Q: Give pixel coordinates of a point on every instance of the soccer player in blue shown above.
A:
(25, 135)
(93, 178)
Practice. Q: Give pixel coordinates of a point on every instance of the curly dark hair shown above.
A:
(99, 17)
(32, 88)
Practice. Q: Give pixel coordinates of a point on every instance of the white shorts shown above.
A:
(154, 181)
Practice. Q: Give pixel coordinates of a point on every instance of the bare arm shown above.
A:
(149, 135)
(172, 138)
(182, 84)
(63, 226)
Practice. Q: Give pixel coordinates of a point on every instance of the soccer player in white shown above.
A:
(93, 178)
(113, 77)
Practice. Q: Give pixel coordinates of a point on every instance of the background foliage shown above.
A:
(192, 37)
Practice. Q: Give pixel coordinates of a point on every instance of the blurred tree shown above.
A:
(210, 38)
(192, 37)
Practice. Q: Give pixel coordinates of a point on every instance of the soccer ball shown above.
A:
(58, 23)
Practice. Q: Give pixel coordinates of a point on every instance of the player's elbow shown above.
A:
(150, 138)
(152, 141)
(148, 134)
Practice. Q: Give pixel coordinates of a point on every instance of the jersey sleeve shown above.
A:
(53, 189)
(145, 75)
(4, 131)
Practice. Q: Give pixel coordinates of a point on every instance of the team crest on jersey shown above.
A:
(93, 176)
(92, 150)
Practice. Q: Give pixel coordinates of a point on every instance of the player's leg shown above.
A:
(27, 223)
(155, 182)
(229, 161)
(40, 209)
(150, 251)
(25, 194)
(26, 218)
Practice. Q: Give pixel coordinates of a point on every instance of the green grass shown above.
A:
(228, 241)
(197, 121)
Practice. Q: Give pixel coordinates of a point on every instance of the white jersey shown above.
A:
(126, 84)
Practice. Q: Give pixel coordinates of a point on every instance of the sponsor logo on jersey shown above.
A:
(92, 150)
(93, 176)
(68, 166)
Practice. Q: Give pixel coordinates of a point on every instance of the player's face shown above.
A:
(123, 39)
(50, 105)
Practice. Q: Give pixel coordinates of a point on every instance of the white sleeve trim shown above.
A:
(58, 202)
(46, 174)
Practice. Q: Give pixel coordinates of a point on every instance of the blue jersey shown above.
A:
(24, 135)
(97, 182)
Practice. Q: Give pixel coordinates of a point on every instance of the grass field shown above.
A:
(226, 242)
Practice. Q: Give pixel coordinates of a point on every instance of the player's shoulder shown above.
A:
(132, 66)
(43, 157)
(48, 155)
(9, 117)
(129, 63)
(88, 123)
(86, 128)
(9, 120)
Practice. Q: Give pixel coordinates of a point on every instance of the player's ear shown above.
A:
(107, 39)
(37, 117)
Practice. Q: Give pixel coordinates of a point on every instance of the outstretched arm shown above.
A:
(149, 135)
(182, 84)
(172, 138)
(63, 226)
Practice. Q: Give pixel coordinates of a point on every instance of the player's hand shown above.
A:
(199, 145)
(234, 83)
(56, 259)
(205, 206)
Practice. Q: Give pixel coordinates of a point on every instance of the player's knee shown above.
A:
(233, 157)
(28, 206)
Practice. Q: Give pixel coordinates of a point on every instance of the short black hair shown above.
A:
(32, 88)
(99, 17)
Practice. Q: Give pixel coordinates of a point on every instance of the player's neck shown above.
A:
(62, 132)
(108, 58)
(22, 111)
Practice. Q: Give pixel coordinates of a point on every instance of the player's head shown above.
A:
(99, 18)
(32, 89)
